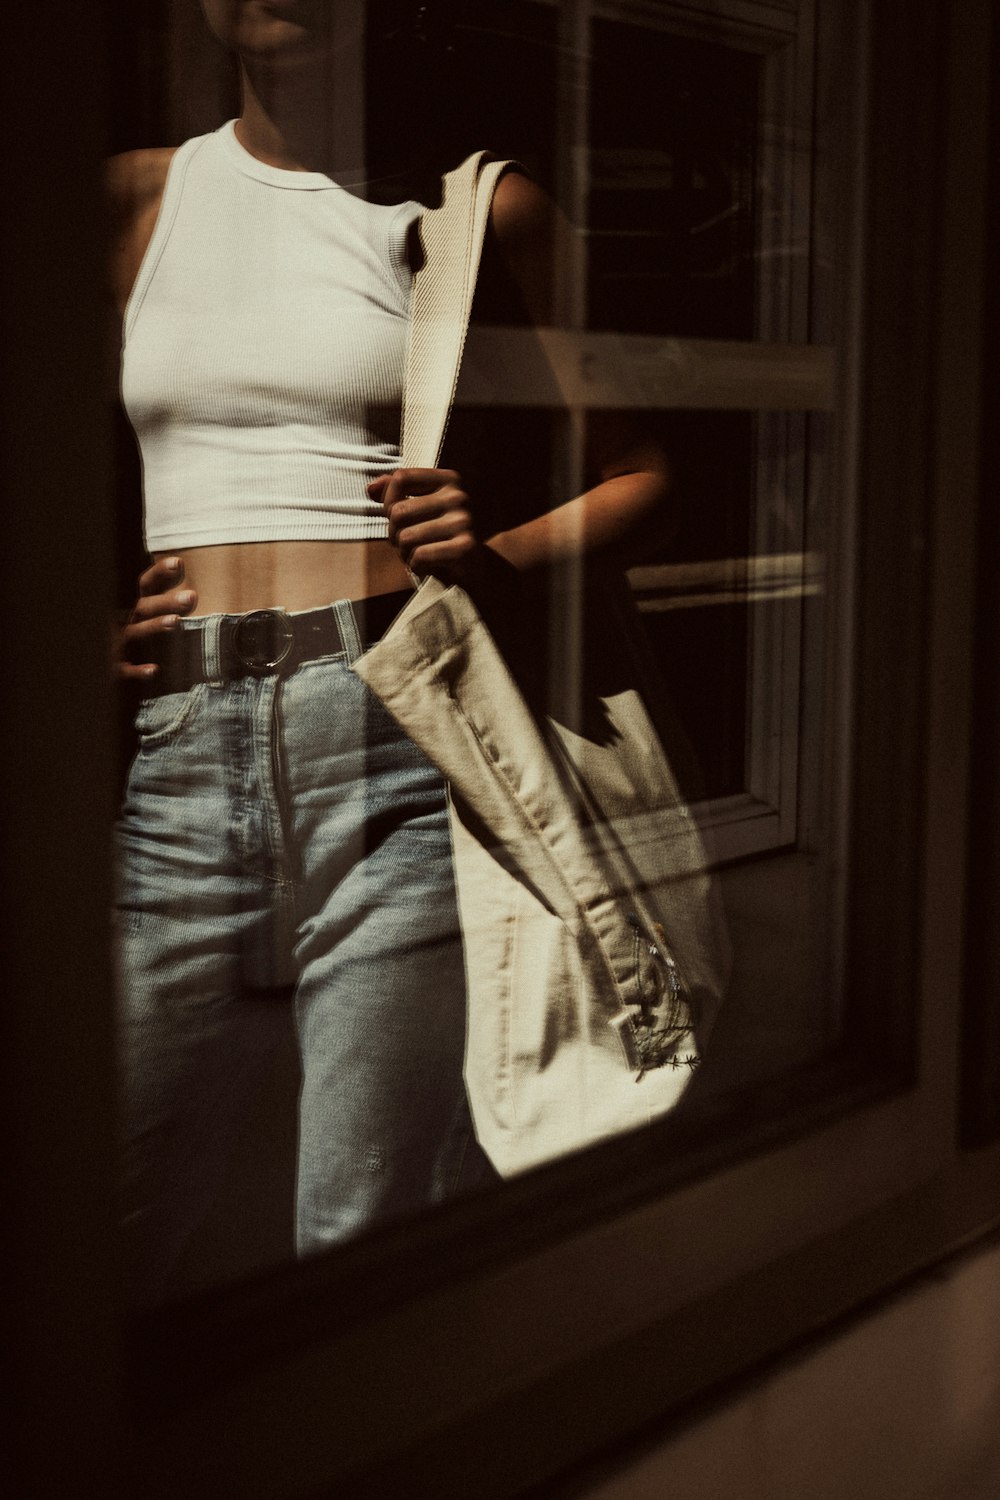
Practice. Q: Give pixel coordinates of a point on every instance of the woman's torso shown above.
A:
(235, 576)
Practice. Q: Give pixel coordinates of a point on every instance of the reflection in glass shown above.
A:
(295, 959)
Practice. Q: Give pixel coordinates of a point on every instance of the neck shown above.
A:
(304, 120)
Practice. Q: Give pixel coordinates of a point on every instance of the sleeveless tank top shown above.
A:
(263, 353)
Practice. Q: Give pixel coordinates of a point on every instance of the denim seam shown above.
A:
(211, 663)
(343, 611)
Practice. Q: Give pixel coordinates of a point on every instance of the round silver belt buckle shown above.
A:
(262, 639)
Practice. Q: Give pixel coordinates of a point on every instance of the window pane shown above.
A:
(668, 350)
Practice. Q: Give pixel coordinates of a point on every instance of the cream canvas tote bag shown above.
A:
(595, 948)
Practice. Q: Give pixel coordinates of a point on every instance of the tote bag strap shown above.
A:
(452, 239)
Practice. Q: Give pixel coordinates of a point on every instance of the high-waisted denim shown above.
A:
(282, 836)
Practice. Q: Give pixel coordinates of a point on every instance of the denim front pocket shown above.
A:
(160, 720)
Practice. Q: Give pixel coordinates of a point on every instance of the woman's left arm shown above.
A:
(619, 519)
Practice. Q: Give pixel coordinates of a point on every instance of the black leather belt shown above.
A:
(264, 642)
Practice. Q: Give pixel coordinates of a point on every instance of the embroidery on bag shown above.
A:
(661, 1017)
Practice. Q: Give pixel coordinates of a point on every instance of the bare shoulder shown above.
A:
(134, 183)
(522, 211)
(134, 178)
(529, 230)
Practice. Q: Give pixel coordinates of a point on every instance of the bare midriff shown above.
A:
(236, 577)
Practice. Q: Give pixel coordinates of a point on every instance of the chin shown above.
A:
(270, 30)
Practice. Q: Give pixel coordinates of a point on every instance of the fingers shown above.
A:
(430, 519)
(125, 671)
(411, 516)
(411, 482)
(150, 607)
(161, 594)
(428, 538)
(158, 610)
(132, 643)
(444, 559)
(160, 590)
(162, 574)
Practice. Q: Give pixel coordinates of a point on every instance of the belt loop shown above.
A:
(211, 663)
(343, 613)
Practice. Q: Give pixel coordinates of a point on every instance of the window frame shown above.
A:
(766, 814)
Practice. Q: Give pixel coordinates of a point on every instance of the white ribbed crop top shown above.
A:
(262, 361)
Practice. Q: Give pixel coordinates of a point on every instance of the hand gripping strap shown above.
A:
(452, 239)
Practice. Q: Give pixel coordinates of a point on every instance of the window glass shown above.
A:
(638, 698)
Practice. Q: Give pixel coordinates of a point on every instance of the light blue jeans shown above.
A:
(282, 837)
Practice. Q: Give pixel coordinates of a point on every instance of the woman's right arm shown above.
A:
(134, 184)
